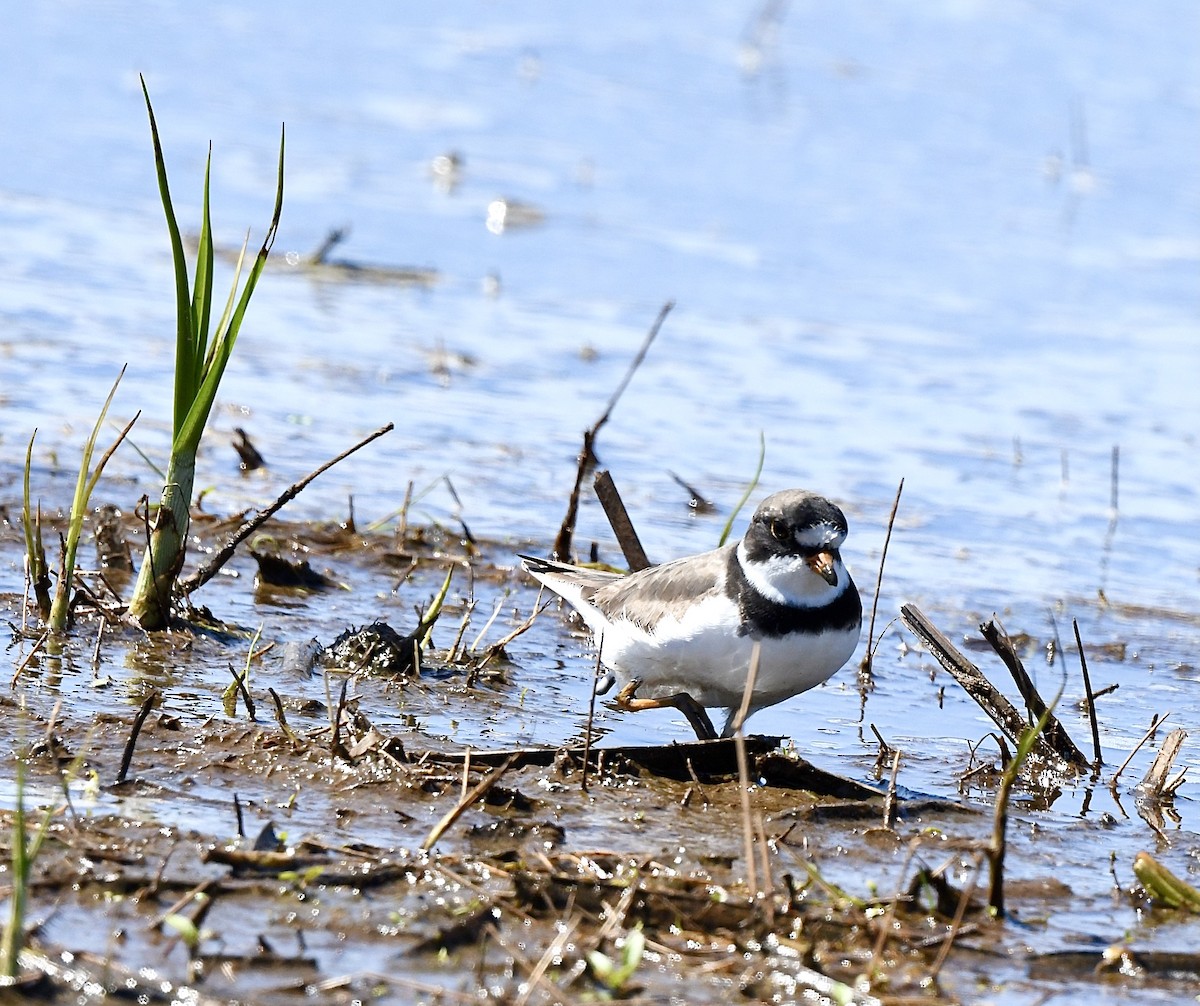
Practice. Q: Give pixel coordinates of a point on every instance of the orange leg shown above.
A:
(696, 716)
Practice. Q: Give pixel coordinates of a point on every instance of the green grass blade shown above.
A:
(202, 287)
(762, 454)
(230, 303)
(84, 485)
(188, 435)
(185, 365)
(34, 551)
(14, 932)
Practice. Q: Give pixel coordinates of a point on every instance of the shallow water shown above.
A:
(955, 244)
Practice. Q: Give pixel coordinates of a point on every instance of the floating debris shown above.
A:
(249, 459)
(507, 214)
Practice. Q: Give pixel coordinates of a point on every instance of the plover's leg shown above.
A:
(691, 709)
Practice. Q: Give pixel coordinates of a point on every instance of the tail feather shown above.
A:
(575, 584)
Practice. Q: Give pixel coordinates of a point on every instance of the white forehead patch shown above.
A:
(820, 536)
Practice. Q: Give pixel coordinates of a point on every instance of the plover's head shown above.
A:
(797, 524)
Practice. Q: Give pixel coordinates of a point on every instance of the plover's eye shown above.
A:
(780, 530)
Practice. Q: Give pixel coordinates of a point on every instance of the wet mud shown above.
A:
(254, 813)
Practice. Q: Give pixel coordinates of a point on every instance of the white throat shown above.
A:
(790, 580)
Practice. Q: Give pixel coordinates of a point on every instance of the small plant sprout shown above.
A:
(57, 611)
(614, 975)
(199, 367)
(35, 554)
(24, 854)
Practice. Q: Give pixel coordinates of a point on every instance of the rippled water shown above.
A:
(954, 243)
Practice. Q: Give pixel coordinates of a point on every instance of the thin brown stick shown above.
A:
(587, 455)
(99, 640)
(587, 737)
(1091, 698)
(127, 756)
(41, 641)
(739, 742)
(886, 923)
(222, 555)
(889, 800)
(956, 925)
(335, 734)
(239, 681)
(280, 717)
(466, 802)
(869, 657)
(618, 519)
(1154, 785)
(498, 646)
(1155, 723)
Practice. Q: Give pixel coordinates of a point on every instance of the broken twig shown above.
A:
(127, 756)
(222, 555)
(618, 518)
(587, 455)
(869, 657)
(1091, 698)
(1055, 734)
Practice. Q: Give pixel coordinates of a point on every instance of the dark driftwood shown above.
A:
(684, 761)
(1002, 712)
(618, 518)
(1054, 732)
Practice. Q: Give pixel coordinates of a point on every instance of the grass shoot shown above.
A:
(200, 362)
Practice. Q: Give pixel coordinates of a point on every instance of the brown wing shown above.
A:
(650, 594)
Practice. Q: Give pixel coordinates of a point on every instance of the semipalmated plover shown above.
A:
(682, 634)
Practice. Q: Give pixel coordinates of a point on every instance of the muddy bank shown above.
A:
(409, 837)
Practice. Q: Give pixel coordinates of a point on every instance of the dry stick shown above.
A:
(739, 743)
(41, 641)
(587, 455)
(959, 914)
(1114, 481)
(1091, 698)
(885, 926)
(618, 519)
(889, 800)
(499, 644)
(467, 801)
(869, 657)
(1154, 784)
(553, 952)
(206, 572)
(1155, 723)
(239, 681)
(96, 648)
(147, 704)
(336, 747)
(1002, 712)
(1054, 732)
(587, 737)
(280, 718)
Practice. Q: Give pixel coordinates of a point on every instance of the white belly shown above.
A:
(703, 655)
